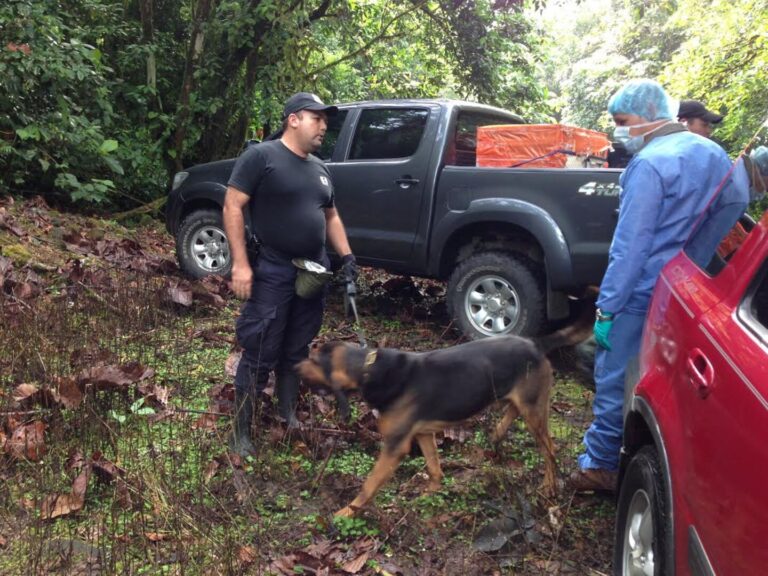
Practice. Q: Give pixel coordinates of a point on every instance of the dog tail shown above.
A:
(570, 335)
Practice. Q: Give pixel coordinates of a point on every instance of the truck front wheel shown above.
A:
(495, 293)
(201, 245)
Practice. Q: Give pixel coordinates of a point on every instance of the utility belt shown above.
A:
(311, 276)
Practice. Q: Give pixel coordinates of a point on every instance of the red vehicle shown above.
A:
(693, 487)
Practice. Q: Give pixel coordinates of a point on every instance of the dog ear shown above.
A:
(311, 372)
(341, 379)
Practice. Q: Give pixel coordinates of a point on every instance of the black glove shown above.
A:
(349, 268)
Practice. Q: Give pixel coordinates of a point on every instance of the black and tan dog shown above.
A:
(419, 394)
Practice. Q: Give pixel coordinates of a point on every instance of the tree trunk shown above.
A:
(202, 13)
(226, 131)
(146, 11)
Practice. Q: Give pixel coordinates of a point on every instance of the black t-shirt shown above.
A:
(288, 197)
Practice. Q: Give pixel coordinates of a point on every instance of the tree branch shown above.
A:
(351, 55)
(382, 35)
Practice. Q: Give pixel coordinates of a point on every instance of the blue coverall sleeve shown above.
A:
(639, 211)
(719, 218)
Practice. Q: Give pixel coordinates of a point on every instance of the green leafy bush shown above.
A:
(54, 104)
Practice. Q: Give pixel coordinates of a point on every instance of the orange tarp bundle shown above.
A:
(509, 145)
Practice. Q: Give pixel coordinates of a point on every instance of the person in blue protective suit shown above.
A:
(753, 171)
(665, 188)
(289, 194)
(725, 224)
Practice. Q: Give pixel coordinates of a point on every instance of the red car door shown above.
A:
(720, 386)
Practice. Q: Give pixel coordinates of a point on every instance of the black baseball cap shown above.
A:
(695, 109)
(306, 101)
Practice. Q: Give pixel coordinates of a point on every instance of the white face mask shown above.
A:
(633, 144)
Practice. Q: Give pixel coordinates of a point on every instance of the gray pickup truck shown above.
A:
(513, 243)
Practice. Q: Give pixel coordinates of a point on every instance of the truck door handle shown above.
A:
(406, 182)
(700, 372)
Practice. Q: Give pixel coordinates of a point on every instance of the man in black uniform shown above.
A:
(289, 195)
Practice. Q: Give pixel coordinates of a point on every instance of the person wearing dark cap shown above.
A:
(289, 196)
(697, 118)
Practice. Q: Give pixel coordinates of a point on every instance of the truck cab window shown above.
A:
(462, 149)
(335, 123)
(384, 133)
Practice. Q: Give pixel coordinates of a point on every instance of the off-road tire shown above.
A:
(496, 293)
(201, 245)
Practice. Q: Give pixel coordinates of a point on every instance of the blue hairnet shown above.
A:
(759, 157)
(644, 98)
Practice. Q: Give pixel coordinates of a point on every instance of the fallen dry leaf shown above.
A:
(105, 470)
(63, 504)
(210, 470)
(157, 395)
(354, 566)
(123, 495)
(103, 377)
(114, 376)
(205, 422)
(232, 362)
(155, 536)
(70, 394)
(284, 565)
(75, 461)
(247, 554)
(234, 460)
(203, 295)
(180, 295)
(319, 549)
(24, 391)
(27, 441)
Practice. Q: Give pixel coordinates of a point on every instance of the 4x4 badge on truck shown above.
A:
(600, 189)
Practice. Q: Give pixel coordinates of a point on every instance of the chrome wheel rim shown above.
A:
(210, 249)
(638, 537)
(492, 305)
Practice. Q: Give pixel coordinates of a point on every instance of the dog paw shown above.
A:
(549, 491)
(346, 512)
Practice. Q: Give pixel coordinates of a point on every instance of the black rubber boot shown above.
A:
(287, 387)
(240, 442)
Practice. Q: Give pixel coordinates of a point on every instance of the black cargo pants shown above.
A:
(275, 326)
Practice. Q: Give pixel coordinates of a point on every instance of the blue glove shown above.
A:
(602, 330)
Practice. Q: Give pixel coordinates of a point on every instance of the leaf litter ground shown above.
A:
(115, 395)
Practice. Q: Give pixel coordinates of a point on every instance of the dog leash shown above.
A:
(350, 304)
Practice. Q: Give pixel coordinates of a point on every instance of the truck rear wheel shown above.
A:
(495, 293)
(201, 245)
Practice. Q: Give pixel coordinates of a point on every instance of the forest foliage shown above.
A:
(101, 101)
(715, 51)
